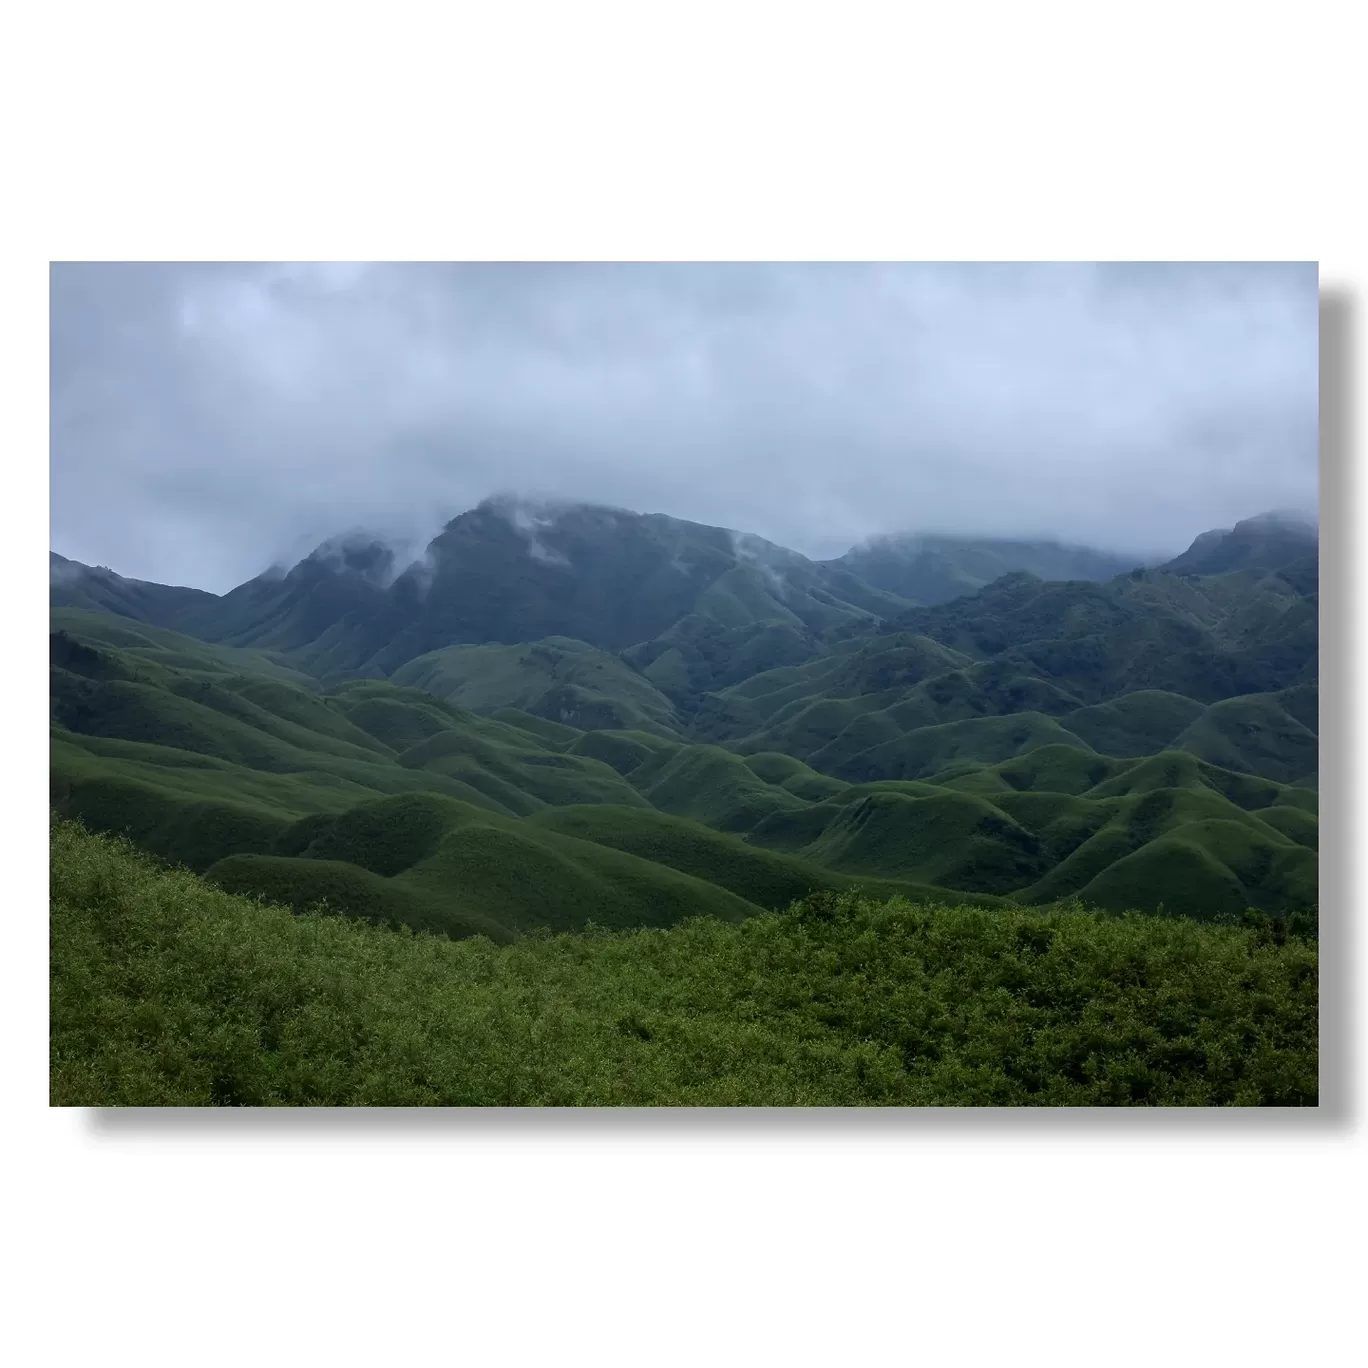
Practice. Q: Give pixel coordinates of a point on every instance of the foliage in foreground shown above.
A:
(167, 991)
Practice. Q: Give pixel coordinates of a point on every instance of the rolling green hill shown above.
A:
(437, 864)
(1225, 667)
(159, 646)
(1250, 631)
(98, 589)
(560, 679)
(394, 804)
(577, 713)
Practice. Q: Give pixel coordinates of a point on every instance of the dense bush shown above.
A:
(166, 991)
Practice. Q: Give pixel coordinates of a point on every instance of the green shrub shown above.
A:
(167, 991)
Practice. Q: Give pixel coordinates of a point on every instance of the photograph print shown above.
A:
(734, 685)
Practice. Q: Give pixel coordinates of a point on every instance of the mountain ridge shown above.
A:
(514, 571)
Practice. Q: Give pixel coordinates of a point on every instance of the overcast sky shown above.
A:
(208, 420)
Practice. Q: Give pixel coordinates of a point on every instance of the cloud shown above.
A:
(529, 518)
(63, 573)
(208, 420)
(756, 552)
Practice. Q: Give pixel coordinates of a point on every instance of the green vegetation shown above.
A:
(1137, 723)
(160, 646)
(1204, 638)
(210, 757)
(765, 878)
(97, 589)
(1259, 734)
(595, 808)
(559, 679)
(167, 991)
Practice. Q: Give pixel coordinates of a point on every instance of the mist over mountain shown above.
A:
(513, 570)
(929, 568)
(73, 585)
(1125, 406)
(1272, 541)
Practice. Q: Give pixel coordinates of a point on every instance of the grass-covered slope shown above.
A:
(764, 877)
(160, 646)
(89, 588)
(559, 679)
(1274, 735)
(167, 991)
(1223, 667)
(1249, 631)
(206, 764)
(437, 864)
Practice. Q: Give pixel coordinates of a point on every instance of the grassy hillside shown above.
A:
(1207, 638)
(766, 878)
(559, 679)
(161, 646)
(1225, 668)
(167, 991)
(207, 765)
(438, 864)
(90, 588)
(701, 654)
(1260, 734)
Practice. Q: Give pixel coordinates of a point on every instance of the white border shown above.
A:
(624, 131)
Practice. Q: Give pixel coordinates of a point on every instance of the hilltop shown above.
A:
(95, 587)
(1272, 541)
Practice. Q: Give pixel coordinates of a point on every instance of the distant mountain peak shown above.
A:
(357, 552)
(1290, 520)
(1267, 541)
(934, 567)
(535, 511)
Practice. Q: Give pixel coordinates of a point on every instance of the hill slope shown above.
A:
(95, 588)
